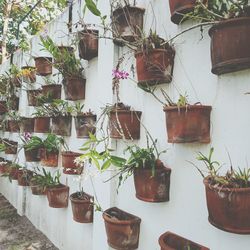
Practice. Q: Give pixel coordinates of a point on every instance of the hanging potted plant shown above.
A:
(69, 163)
(28, 74)
(3, 164)
(170, 241)
(13, 120)
(42, 121)
(51, 90)
(43, 66)
(38, 183)
(228, 196)
(24, 177)
(13, 171)
(32, 96)
(10, 146)
(27, 124)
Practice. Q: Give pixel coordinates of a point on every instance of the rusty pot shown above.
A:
(155, 66)
(11, 147)
(32, 155)
(152, 188)
(13, 103)
(52, 90)
(122, 229)
(127, 24)
(58, 196)
(42, 125)
(179, 8)
(88, 44)
(230, 51)
(32, 96)
(49, 159)
(228, 208)
(61, 125)
(31, 78)
(43, 66)
(188, 124)
(74, 88)
(84, 125)
(13, 126)
(125, 122)
(171, 241)
(24, 177)
(27, 124)
(3, 107)
(82, 207)
(68, 164)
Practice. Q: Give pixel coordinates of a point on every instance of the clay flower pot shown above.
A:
(49, 159)
(84, 125)
(11, 147)
(52, 90)
(43, 66)
(179, 8)
(188, 124)
(171, 241)
(13, 103)
(122, 229)
(61, 125)
(74, 88)
(13, 126)
(82, 207)
(31, 78)
(37, 189)
(16, 81)
(42, 125)
(32, 155)
(24, 177)
(152, 188)
(88, 44)
(3, 168)
(13, 172)
(58, 196)
(127, 23)
(234, 55)
(27, 124)
(32, 96)
(3, 107)
(125, 122)
(228, 208)
(155, 66)
(68, 164)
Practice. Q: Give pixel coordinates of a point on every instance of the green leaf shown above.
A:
(92, 7)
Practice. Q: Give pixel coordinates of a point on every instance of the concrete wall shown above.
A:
(186, 212)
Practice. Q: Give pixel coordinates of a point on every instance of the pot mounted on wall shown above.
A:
(43, 66)
(74, 88)
(58, 196)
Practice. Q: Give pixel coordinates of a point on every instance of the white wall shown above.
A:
(186, 212)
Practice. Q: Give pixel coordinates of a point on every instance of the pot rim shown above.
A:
(152, 51)
(74, 78)
(52, 85)
(67, 153)
(80, 200)
(129, 7)
(85, 31)
(161, 168)
(125, 111)
(43, 57)
(172, 108)
(79, 116)
(62, 187)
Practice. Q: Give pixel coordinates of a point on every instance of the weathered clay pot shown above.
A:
(179, 8)
(88, 44)
(49, 159)
(82, 207)
(61, 125)
(3, 168)
(32, 96)
(37, 189)
(152, 188)
(125, 122)
(32, 155)
(228, 208)
(31, 78)
(84, 125)
(230, 51)
(42, 125)
(53, 90)
(27, 124)
(43, 66)
(188, 124)
(171, 241)
(13, 103)
(58, 196)
(122, 229)
(3, 107)
(24, 177)
(155, 66)
(68, 164)
(127, 23)
(74, 88)
(13, 172)
(13, 126)
(11, 147)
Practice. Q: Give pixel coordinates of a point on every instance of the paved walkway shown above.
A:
(17, 233)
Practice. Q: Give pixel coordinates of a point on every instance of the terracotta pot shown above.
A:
(37, 189)
(11, 147)
(3, 107)
(49, 159)
(32, 155)
(171, 241)
(155, 66)
(27, 124)
(24, 177)
(188, 124)
(125, 122)
(152, 188)
(61, 125)
(228, 208)
(52, 90)
(88, 44)
(13, 172)
(68, 164)
(42, 125)
(58, 197)
(122, 229)
(179, 8)
(13, 103)
(84, 125)
(32, 96)
(32, 77)
(127, 23)
(13, 126)
(82, 207)
(43, 66)
(230, 51)
(16, 82)
(3, 168)
(74, 88)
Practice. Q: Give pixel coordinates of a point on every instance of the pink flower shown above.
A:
(120, 74)
(27, 136)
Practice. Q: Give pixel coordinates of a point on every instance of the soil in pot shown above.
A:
(32, 96)
(88, 44)
(228, 208)
(32, 155)
(43, 66)
(82, 207)
(49, 159)
(11, 147)
(31, 77)
(188, 124)
(171, 241)
(42, 125)
(3, 107)
(122, 229)
(24, 177)
(27, 124)
(68, 164)
(52, 90)
(61, 125)
(84, 125)
(74, 88)
(58, 196)
(13, 126)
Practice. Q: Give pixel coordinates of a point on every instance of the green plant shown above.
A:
(31, 142)
(52, 143)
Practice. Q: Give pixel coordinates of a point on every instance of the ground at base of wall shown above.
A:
(17, 233)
